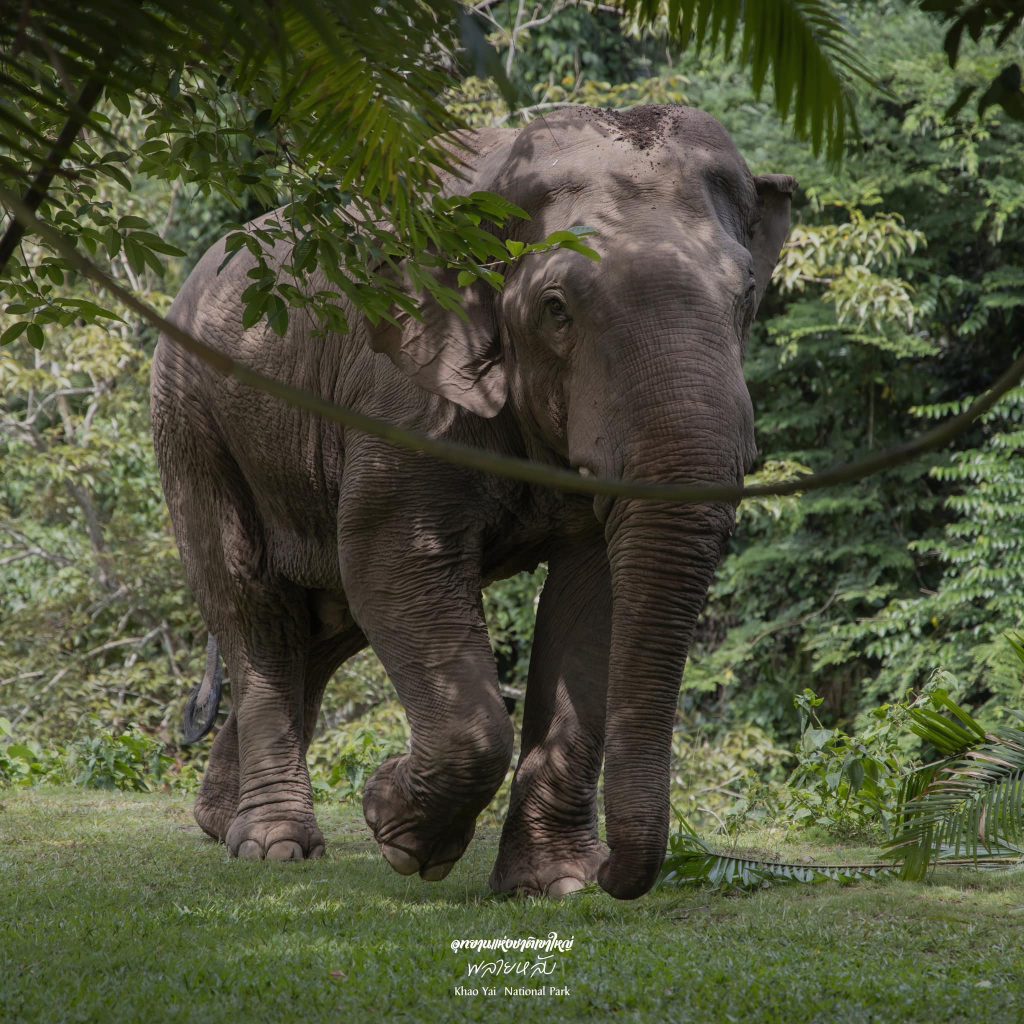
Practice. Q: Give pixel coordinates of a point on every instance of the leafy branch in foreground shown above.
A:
(329, 109)
(995, 18)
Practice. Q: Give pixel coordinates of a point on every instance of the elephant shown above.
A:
(304, 541)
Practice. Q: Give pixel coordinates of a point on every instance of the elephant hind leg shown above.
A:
(262, 625)
(267, 655)
(217, 803)
(255, 794)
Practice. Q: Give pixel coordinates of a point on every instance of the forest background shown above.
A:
(899, 297)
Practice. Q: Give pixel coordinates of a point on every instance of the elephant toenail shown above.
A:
(285, 850)
(436, 872)
(563, 886)
(250, 850)
(404, 863)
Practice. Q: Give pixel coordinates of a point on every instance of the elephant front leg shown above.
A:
(422, 613)
(550, 844)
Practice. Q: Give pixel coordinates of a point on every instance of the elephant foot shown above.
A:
(552, 871)
(413, 835)
(214, 817)
(253, 838)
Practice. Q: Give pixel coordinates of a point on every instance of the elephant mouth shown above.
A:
(603, 507)
(602, 502)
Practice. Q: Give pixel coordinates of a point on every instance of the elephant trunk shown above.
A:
(662, 559)
(662, 563)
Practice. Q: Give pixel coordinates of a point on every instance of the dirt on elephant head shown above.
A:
(642, 127)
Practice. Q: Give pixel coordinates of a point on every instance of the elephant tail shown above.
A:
(201, 710)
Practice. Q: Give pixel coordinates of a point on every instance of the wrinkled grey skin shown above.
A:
(303, 541)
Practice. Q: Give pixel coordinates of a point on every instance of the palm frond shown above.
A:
(691, 861)
(970, 803)
(342, 71)
(950, 736)
(966, 809)
(1016, 641)
(803, 45)
(971, 800)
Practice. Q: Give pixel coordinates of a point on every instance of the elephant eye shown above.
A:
(556, 307)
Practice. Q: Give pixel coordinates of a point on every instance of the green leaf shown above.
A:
(112, 241)
(854, 769)
(277, 314)
(965, 93)
(253, 310)
(34, 334)
(88, 308)
(815, 739)
(570, 240)
(135, 254)
(118, 175)
(13, 332)
(304, 255)
(155, 243)
(263, 121)
(498, 207)
(583, 250)
(119, 100)
(1017, 643)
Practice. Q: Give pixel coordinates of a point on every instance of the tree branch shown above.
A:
(21, 678)
(80, 110)
(30, 549)
(527, 111)
(523, 470)
(510, 58)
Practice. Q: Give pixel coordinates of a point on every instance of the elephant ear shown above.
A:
(774, 192)
(452, 353)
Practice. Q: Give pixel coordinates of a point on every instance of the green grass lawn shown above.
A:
(113, 907)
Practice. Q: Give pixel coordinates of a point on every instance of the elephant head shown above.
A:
(629, 367)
